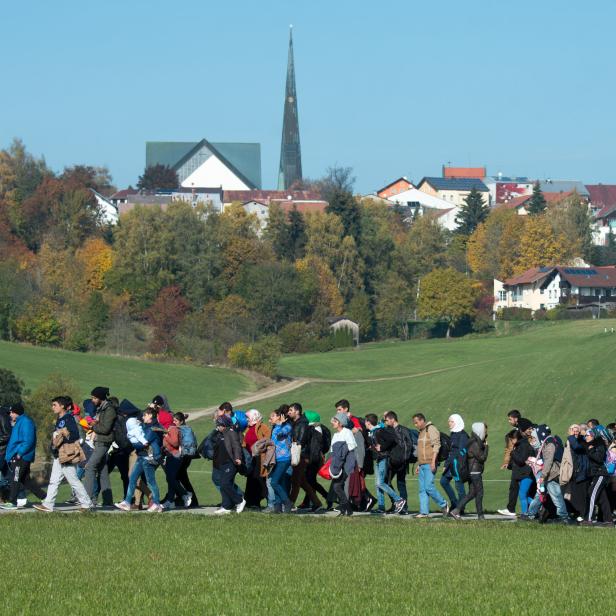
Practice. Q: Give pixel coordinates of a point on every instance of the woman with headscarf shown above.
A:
(477, 456)
(343, 461)
(459, 441)
(256, 490)
(576, 489)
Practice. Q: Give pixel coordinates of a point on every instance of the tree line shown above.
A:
(192, 283)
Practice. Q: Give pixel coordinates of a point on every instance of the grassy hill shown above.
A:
(187, 386)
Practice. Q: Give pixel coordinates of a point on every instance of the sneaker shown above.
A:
(455, 514)
(239, 508)
(222, 511)
(22, 502)
(586, 523)
(422, 515)
(187, 498)
(154, 508)
(371, 503)
(123, 506)
(506, 512)
(523, 517)
(42, 507)
(8, 506)
(168, 505)
(404, 512)
(445, 510)
(71, 501)
(399, 506)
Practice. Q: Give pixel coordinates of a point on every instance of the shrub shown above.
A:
(515, 314)
(11, 387)
(261, 356)
(39, 325)
(38, 406)
(482, 323)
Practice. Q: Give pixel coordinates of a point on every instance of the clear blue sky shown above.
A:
(390, 88)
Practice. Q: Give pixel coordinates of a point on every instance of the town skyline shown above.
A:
(387, 103)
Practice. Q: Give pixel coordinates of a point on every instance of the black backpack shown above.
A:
(120, 434)
(402, 453)
(443, 452)
(459, 466)
(206, 449)
(327, 439)
(315, 450)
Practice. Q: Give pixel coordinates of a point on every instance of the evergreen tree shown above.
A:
(537, 203)
(472, 213)
(296, 235)
(158, 177)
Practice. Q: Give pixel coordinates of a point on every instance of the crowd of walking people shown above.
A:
(571, 481)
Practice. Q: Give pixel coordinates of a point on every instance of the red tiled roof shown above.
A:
(269, 195)
(531, 275)
(602, 195)
(591, 276)
(550, 197)
(464, 172)
(122, 194)
(605, 211)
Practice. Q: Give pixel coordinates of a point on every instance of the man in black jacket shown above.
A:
(301, 436)
(227, 458)
(102, 426)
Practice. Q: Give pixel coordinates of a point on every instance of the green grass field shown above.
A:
(140, 564)
(553, 372)
(187, 386)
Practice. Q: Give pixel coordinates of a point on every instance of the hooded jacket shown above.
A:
(521, 451)
(106, 415)
(579, 458)
(595, 451)
(22, 442)
(343, 453)
(477, 451)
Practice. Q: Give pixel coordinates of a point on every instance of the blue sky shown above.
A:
(390, 88)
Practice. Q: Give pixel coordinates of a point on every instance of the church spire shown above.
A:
(290, 169)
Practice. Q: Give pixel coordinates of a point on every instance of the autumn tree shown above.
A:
(337, 189)
(394, 306)
(165, 316)
(539, 245)
(422, 249)
(321, 287)
(473, 212)
(360, 311)
(158, 177)
(537, 203)
(446, 295)
(571, 219)
(96, 259)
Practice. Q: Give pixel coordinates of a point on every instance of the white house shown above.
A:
(109, 211)
(543, 288)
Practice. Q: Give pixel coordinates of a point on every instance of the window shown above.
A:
(502, 296)
(541, 291)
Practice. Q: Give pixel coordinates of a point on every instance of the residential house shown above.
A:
(109, 211)
(394, 188)
(504, 188)
(265, 196)
(453, 190)
(603, 207)
(162, 198)
(520, 204)
(200, 164)
(564, 187)
(419, 202)
(543, 288)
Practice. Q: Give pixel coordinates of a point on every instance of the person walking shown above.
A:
(398, 459)
(102, 426)
(256, 489)
(521, 472)
(172, 456)
(459, 442)
(281, 436)
(149, 455)
(382, 440)
(227, 458)
(596, 451)
(320, 441)
(67, 453)
(20, 452)
(576, 489)
(301, 436)
(428, 445)
(179, 420)
(343, 461)
(477, 456)
(513, 417)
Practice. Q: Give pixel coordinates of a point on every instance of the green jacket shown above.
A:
(106, 418)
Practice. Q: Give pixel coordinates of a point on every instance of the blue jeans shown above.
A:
(525, 485)
(446, 485)
(428, 490)
(553, 489)
(142, 466)
(278, 479)
(382, 487)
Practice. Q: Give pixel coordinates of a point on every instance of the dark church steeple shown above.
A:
(290, 152)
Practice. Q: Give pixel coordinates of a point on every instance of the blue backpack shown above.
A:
(188, 442)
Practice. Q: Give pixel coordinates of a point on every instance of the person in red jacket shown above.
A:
(161, 405)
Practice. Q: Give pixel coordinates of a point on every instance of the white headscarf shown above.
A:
(253, 416)
(458, 422)
(479, 428)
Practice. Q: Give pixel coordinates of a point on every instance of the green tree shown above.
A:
(337, 189)
(473, 212)
(277, 232)
(297, 235)
(92, 323)
(422, 249)
(446, 295)
(537, 203)
(158, 177)
(359, 310)
(11, 388)
(394, 306)
(572, 220)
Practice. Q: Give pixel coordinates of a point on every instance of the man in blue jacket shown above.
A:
(19, 452)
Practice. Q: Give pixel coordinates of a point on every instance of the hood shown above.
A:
(458, 422)
(542, 432)
(128, 408)
(479, 428)
(166, 404)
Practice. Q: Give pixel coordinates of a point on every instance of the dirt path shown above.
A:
(293, 384)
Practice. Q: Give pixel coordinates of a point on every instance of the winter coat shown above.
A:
(263, 433)
(459, 441)
(281, 435)
(428, 443)
(233, 444)
(22, 442)
(551, 468)
(342, 458)
(579, 458)
(106, 415)
(519, 454)
(477, 454)
(386, 438)
(301, 434)
(596, 452)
